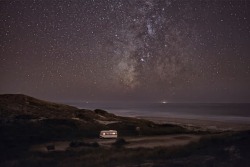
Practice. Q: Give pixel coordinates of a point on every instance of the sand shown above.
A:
(200, 124)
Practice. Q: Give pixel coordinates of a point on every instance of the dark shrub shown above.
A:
(25, 117)
(82, 143)
(50, 147)
(101, 112)
(119, 142)
(95, 144)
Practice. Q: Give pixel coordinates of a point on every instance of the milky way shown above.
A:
(137, 50)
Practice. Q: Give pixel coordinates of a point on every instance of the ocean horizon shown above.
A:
(223, 112)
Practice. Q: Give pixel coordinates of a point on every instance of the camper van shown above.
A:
(108, 134)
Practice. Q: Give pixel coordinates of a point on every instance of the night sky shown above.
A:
(126, 50)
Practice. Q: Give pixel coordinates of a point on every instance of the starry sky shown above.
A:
(126, 50)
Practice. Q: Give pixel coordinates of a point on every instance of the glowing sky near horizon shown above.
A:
(141, 50)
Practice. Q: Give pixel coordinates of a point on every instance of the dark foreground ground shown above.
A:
(44, 134)
(218, 150)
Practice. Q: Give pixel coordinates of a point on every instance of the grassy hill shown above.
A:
(28, 119)
(18, 104)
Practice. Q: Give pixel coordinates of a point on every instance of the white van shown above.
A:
(108, 134)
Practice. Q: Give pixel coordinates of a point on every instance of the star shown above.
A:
(147, 49)
(142, 59)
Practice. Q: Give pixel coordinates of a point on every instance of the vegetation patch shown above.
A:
(120, 142)
(82, 143)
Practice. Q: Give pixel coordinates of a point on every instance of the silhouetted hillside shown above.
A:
(32, 120)
(16, 104)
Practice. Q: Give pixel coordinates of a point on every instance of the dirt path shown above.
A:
(163, 141)
(133, 142)
(155, 141)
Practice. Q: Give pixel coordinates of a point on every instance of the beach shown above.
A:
(202, 116)
(201, 124)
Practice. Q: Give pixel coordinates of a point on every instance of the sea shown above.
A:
(224, 112)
